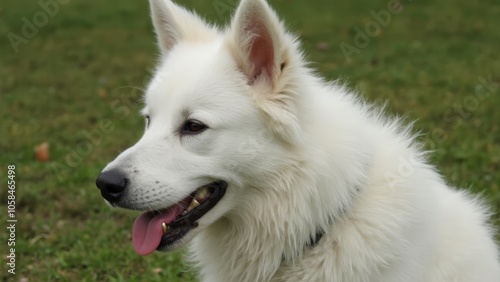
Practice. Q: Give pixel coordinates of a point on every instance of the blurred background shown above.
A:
(71, 80)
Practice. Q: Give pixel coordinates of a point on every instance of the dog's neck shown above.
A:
(274, 227)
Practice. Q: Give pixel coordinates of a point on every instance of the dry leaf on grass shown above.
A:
(42, 152)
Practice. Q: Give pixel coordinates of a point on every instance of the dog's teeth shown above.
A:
(164, 226)
(201, 193)
(193, 205)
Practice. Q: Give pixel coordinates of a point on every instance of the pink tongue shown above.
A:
(147, 230)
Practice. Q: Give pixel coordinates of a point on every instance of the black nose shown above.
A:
(112, 185)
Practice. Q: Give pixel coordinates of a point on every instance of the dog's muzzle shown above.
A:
(162, 229)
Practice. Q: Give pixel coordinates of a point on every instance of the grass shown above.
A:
(81, 68)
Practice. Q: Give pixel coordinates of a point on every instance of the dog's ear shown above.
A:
(262, 50)
(256, 40)
(173, 24)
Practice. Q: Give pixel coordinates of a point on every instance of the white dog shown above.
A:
(271, 174)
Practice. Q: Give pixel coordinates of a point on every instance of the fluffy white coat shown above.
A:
(300, 156)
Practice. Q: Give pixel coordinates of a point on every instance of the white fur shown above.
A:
(300, 155)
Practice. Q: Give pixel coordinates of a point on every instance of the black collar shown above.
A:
(314, 240)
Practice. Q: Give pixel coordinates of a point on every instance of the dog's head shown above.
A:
(220, 118)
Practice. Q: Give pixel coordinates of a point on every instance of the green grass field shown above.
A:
(76, 76)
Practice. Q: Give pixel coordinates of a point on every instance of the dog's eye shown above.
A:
(148, 120)
(193, 126)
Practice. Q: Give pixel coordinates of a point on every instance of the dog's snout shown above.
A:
(112, 185)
